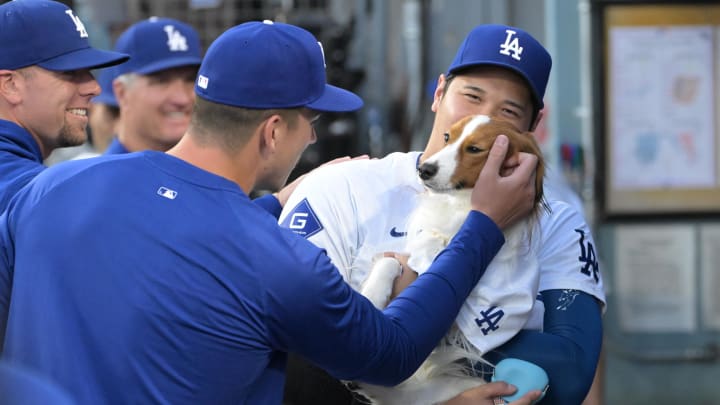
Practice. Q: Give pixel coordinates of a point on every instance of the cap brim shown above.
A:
(538, 101)
(168, 64)
(335, 99)
(87, 58)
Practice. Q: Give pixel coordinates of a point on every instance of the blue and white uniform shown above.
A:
(188, 292)
(20, 160)
(369, 204)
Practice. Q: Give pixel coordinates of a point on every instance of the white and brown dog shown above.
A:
(502, 302)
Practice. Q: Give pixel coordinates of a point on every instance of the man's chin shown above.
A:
(71, 138)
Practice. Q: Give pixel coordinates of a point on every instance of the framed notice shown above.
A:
(660, 142)
(655, 278)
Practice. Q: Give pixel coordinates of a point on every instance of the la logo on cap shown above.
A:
(176, 41)
(79, 26)
(511, 44)
(322, 51)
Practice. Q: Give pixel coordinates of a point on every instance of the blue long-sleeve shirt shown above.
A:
(20, 160)
(142, 279)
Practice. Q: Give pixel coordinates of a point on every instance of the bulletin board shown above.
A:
(659, 96)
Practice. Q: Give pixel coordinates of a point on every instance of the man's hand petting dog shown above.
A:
(490, 393)
(505, 199)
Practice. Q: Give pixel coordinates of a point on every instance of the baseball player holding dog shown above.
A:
(190, 293)
(500, 71)
(45, 86)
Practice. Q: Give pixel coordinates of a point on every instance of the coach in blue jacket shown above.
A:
(187, 292)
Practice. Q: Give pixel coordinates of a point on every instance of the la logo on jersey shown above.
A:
(176, 41)
(489, 319)
(79, 26)
(512, 44)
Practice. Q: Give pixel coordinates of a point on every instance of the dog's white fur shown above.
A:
(440, 213)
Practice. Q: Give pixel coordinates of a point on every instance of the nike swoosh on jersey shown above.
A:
(396, 234)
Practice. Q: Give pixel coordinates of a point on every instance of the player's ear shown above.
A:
(539, 177)
(438, 93)
(11, 85)
(120, 92)
(269, 131)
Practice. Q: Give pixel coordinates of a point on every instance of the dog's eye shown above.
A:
(447, 137)
(473, 149)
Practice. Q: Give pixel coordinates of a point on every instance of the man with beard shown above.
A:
(45, 86)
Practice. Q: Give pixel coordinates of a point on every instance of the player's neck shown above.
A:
(134, 142)
(240, 168)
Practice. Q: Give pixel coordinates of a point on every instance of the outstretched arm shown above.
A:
(387, 349)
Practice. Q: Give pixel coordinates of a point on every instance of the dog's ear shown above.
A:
(539, 180)
(539, 173)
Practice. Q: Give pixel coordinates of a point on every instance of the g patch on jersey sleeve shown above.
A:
(302, 220)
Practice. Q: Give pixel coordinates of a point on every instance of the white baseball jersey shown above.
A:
(357, 209)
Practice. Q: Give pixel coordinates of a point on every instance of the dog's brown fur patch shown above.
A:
(474, 151)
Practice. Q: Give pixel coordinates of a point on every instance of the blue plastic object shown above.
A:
(524, 375)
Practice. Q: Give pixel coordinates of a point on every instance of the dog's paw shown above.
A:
(378, 286)
(420, 262)
(423, 248)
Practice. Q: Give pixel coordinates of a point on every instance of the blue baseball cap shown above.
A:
(509, 47)
(267, 65)
(107, 94)
(158, 44)
(48, 34)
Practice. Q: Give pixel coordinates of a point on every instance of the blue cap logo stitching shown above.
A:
(511, 44)
(302, 220)
(79, 26)
(322, 52)
(176, 41)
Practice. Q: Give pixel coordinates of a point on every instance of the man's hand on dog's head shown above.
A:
(505, 199)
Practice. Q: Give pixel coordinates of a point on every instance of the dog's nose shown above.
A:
(427, 170)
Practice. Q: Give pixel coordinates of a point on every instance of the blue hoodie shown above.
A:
(20, 160)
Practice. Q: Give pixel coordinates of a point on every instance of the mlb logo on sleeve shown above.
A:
(302, 220)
